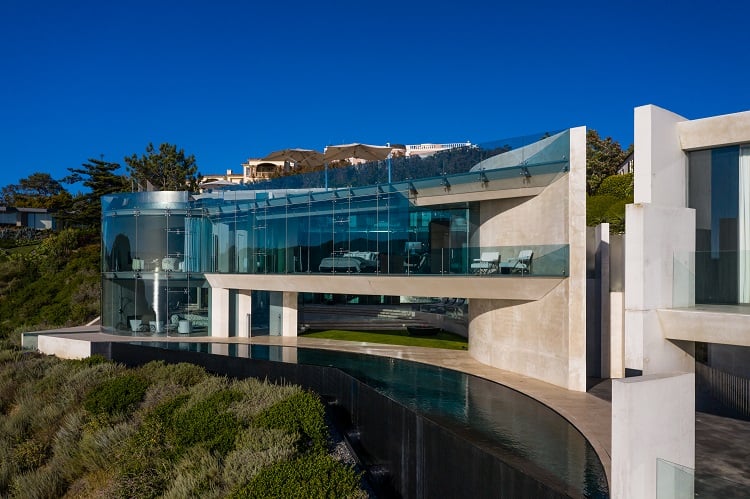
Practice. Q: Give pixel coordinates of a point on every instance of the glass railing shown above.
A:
(711, 277)
(673, 481)
(412, 258)
(525, 156)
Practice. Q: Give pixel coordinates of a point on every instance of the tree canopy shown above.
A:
(101, 178)
(38, 190)
(603, 158)
(167, 169)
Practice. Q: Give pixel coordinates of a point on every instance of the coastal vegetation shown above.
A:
(92, 428)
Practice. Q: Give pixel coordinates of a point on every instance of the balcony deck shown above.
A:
(721, 324)
(527, 288)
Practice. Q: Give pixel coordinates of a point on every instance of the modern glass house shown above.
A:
(504, 233)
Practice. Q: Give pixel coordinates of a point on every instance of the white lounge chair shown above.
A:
(486, 263)
(520, 264)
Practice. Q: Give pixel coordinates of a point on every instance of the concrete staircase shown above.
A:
(358, 317)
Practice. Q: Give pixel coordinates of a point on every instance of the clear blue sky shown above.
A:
(228, 80)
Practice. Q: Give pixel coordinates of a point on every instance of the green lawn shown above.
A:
(440, 340)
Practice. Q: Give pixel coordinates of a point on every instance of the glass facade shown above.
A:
(719, 191)
(158, 245)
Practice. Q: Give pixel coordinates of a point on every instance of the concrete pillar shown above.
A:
(602, 263)
(289, 313)
(653, 417)
(282, 313)
(655, 234)
(617, 334)
(219, 312)
(275, 313)
(244, 308)
(576, 235)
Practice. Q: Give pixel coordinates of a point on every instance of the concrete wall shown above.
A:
(652, 417)
(659, 161)
(544, 339)
(658, 226)
(218, 311)
(65, 348)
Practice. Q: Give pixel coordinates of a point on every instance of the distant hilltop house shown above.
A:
(34, 218)
(424, 150)
(259, 169)
(628, 165)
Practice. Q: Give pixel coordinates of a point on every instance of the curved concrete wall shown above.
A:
(543, 339)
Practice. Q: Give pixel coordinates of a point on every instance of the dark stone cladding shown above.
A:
(406, 454)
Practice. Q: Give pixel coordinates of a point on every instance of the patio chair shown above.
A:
(487, 263)
(521, 264)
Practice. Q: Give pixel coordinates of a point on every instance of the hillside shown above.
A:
(49, 282)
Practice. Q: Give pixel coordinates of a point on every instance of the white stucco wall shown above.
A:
(652, 417)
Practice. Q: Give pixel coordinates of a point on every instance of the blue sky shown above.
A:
(228, 80)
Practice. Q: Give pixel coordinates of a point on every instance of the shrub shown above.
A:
(255, 449)
(197, 474)
(30, 454)
(259, 395)
(310, 476)
(301, 414)
(184, 374)
(116, 396)
(618, 186)
(208, 422)
(90, 361)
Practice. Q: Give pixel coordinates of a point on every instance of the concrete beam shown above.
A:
(716, 131)
(722, 326)
(499, 288)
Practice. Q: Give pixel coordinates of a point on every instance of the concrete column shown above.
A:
(601, 237)
(576, 235)
(219, 312)
(655, 234)
(289, 313)
(653, 417)
(275, 313)
(244, 308)
(617, 335)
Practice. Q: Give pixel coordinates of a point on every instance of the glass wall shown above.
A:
(157, 245)
(152, 253)
(718, 191)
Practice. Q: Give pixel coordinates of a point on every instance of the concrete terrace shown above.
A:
(590, 414)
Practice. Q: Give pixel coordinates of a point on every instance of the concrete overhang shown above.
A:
(517, 187)
(497, 288)
(716, 131)
(724, 325)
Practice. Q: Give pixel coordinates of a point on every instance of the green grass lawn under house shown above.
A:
(441, 340)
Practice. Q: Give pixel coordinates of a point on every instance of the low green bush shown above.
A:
(92, 360)
(303, 414)
(183, 374)
(116, 396)
(208, 422)
(311, 476)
